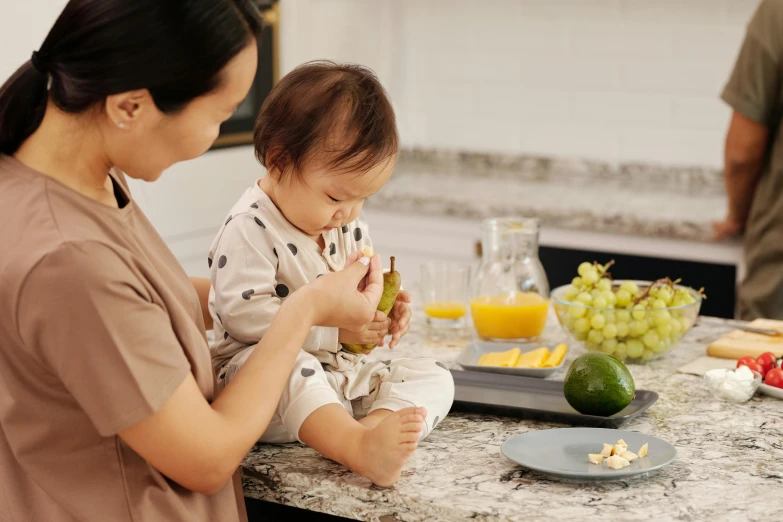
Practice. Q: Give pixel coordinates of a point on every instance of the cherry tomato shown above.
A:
(767, 361)
(752, 365)
(743, 360)
(774, 378)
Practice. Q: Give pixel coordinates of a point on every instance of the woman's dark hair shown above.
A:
(96, 48)
(321, 106)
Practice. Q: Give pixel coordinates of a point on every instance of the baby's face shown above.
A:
(317, 200)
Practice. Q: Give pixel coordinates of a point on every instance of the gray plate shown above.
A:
(766, 389)
(563, 453)
(469, 357)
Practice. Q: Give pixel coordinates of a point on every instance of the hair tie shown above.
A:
(38, 64)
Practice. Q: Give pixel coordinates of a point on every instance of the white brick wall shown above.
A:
(616, 80)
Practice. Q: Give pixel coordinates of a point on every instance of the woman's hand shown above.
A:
(347, 299)
(728, 228)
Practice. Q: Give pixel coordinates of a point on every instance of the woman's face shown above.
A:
(151, 141)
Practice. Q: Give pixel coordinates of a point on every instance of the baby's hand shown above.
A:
(372, 333)
(400, 318)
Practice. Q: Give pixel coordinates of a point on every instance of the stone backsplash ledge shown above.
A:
(633, 199)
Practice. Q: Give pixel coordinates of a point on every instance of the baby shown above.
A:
(328, 139)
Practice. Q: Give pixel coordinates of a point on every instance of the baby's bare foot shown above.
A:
(385, 449)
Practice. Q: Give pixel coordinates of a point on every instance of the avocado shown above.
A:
(598, 384)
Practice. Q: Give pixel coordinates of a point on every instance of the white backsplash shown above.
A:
(614, 80)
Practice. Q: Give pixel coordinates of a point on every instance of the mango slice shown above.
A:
(533, 359)
(556, 357)
(507, 359)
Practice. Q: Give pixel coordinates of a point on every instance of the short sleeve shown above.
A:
(88, 316)
(753, 88)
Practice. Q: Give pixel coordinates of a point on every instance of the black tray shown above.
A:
(531, 398)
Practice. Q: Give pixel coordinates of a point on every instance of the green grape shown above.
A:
(600, 302)
(661, 317)
(658, 304)
(570, 292)
(577, 282)
(623, 297)
(585, 298)
(635, 348)
(621, 356)
(610, 298)
(648, 355)
(609, 346)
(590, 313)
(653, 291)
(676, 327)
(677, 302)
(651, 339)
(579, 336)
(685, 323)
(623, 329)
(569, 323)
(610, 331)
(595, 337)
(664, 330)
(591, 347)
(638, 328)
(662, 346)
(665, 295)
(610, 316)
(623, 316)
(577, 311)
(582, 325)
(621, 350)
(590, 277)
(598, 322)
(585, 268)
(605, 285)
(630, 287)
(639, 312)
(595, 293)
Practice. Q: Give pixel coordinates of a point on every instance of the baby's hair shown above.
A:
(326, 107)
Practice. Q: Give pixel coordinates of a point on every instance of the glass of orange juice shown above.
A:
(445, 290)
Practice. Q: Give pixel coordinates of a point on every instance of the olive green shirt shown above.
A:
(755, 91)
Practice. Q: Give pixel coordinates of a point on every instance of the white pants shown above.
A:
(369, 386)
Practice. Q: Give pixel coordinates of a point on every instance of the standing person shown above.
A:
(754, 162)
(107, 403)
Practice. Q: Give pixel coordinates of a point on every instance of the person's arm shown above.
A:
(744, 155)
(202, 289)
(199, 445)
(247, 293)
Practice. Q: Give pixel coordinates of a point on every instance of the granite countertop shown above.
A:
(634, 199)
(730, 463)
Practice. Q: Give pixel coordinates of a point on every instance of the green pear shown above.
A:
(391, 287)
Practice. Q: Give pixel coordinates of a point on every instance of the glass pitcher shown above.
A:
(511, 291)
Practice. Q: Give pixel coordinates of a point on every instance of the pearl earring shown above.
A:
(121, 124)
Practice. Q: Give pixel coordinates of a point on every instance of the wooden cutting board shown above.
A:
(738, 343)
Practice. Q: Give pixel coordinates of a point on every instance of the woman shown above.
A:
(106, 399)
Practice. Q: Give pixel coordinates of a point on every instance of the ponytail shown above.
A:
(176, 49)
(22, 106)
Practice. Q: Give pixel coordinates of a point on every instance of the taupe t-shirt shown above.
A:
(98, 326)
(755, 90)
